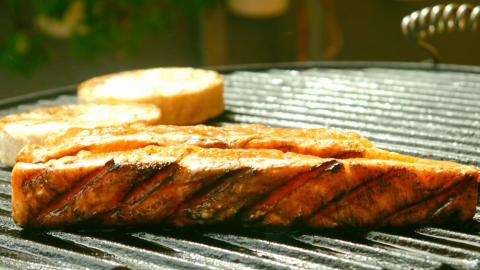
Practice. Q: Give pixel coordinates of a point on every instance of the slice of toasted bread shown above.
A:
(185, 95)
(35, 126)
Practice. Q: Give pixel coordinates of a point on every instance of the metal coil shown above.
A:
(438, 19)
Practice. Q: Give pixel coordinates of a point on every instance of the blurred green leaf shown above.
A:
(106, 26)
(23, 53)
(51, 8)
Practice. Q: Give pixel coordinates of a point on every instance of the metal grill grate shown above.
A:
(419, 112)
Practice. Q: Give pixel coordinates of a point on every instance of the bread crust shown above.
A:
(185, 95)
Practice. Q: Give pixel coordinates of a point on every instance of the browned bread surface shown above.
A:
(185, 95)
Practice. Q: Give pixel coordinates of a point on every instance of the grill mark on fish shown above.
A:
(194, 208)
(163, 200)
(36, 202)
(214, 183)
(32, 179)
(438, 208)
(144, 188)
(370, 203)
(271, 199)
(188, 191)
(59, 203)
(107, 188)
(356, 192)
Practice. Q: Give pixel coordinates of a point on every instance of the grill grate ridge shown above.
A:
(68, 258)
(418, 114)
(468, 239)
(443, 253)
(219, 253)
(380, 256)
(11, 263)
(368, 88)
(131, 256)
(289, 253)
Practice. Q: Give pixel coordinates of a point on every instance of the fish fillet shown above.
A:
(321, 142)
(186, 185)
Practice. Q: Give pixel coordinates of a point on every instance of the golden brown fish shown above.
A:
(321, 142)
(186, 185)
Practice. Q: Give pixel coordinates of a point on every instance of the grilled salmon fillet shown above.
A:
(184, 185)
(321, 142)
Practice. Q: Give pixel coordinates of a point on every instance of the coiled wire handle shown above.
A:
(435, 20)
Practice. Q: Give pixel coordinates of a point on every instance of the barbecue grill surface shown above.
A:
(409, 108)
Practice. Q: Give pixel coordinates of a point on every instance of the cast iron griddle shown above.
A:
(416, 109)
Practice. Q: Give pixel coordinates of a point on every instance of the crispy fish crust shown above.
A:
(185, 185)
(321, 142)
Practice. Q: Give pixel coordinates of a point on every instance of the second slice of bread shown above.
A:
(185, 95)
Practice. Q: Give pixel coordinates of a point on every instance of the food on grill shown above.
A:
(185, 95)
(350, 183)
(185, 185)
(322, 142)
(34, 126)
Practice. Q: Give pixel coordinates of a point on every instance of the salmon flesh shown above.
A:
(186, 185)
(321, 142)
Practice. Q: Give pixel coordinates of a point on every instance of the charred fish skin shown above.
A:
(187, 185)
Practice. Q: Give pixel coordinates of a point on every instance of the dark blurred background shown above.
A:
(54, 43)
